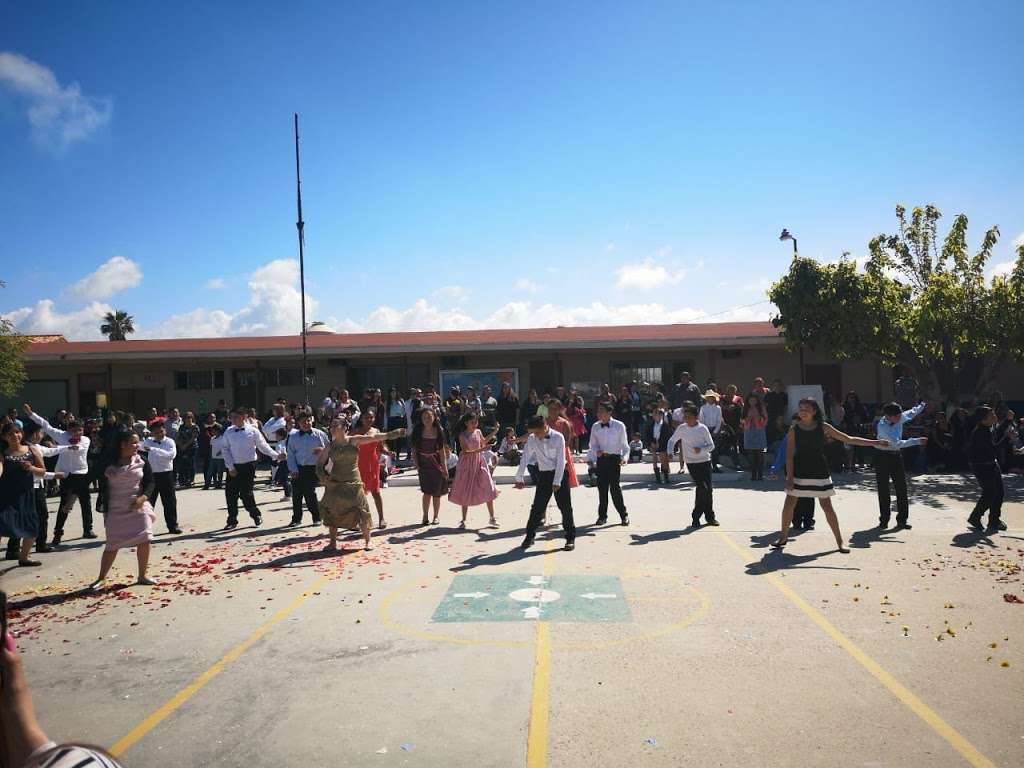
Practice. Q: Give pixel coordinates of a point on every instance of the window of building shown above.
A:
(642, 373)
(287, 377)
(199, 379)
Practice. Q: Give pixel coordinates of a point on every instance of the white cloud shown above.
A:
(1018, 241)
(1003, 268)
(647, 275)
(79, 325)
(610, 248)
(59, 114)
(197, 324)
(526, 285)
(452, 293)
(113, 276)
(214, 284)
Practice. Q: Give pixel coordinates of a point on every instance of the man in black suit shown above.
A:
(656, 435)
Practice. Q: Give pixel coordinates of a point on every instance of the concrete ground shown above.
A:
(653, 644)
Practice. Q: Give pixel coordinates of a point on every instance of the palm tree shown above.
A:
(118, 325)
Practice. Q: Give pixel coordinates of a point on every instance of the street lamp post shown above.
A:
(300, 225)
(787, 235)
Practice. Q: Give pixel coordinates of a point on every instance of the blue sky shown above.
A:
(481, 164)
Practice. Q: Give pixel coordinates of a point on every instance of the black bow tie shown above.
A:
(605, 425)
(239, 429)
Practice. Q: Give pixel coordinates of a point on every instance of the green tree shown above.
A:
(12, 358)
(117, 325)
(922, 301)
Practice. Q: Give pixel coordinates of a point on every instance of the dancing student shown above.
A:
(608, 451)
(429, 446)
(369, 461)
(473, 484)
(161, 452)
(242, 442)
(74, 465)
(807, 473)
(545, 448)
(303, 450)
(696, 448)
(889, 463)
(659, 432)
(803, 512)
(981, 453)
(21, 465)
(556, 420)
(129, 519)
(755, 439)
(344, 503)
(31, 433)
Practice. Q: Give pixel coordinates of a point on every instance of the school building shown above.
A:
(254, 371)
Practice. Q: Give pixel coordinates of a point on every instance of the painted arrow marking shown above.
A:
(474, 595)
(533, 612)
(597, 596)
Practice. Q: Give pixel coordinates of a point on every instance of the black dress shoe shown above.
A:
(316, 521)
(230, 526)
(1002, 526)
(975, 523)
(56, 540)
(625, 519)
(89, 535)
(257, 520)
(527, 543)
(883, 524)
(713, 521)
(602, 520)
(903, 526)
(569, 546)
(292, 523)
(696, 521)
(992, 529)
(43, 549)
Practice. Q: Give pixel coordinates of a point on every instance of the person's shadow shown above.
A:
(500, 558)
(864, 539)
(780, 560)
(639, 539)
(970, 539)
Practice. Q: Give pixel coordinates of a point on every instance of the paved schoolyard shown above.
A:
(649, 645)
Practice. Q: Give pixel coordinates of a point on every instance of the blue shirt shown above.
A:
(894, 432)
(301, 446)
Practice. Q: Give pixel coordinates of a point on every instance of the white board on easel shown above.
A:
(797, 392)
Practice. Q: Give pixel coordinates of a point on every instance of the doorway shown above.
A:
(246, 388)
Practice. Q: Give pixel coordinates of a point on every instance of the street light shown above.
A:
(306, 327)
(787, 236)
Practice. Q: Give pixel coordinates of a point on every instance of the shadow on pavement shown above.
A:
(864, 539)
(780, 560)
(640, 540)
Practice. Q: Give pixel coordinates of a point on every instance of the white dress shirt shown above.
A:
(217, 447)
(548, 454)
(656, 431)
(711, 417)
(39, 481)
(161, 454)
(241, 444)
(610, 439)
(72, 461)
(697, 436)
(270, 427)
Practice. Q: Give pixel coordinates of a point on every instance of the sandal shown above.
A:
(29, 563)
(493, 523)
(383, 524)
(435, 521)
(779, 544)
(147, 582)
(462, 525)
(426, 521)
(843, 550)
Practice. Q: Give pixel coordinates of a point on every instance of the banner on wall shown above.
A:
(478, 379)
(797, 392)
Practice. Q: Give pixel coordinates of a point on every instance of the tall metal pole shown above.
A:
(302, 262)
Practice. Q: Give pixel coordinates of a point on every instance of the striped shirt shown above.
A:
(69, 756)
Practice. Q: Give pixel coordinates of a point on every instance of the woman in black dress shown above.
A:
(18, 517)
(429, 445)
(807, 472)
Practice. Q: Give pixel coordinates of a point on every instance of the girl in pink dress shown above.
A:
(473, 482)
(129, 518)
(576, 412)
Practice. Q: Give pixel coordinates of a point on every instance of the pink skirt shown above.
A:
(129, 528)
(473, 483)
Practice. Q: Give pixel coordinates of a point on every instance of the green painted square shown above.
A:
(530, 597)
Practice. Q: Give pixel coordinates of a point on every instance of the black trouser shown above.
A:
(42, 524)
(396, 422)
(240, 487)
(204, 460)
(703, 502)
(163, 486)
(803, 512)
(542, 495)
(283, 478)
(990, 478)
(608, 470)
(304, 487)
(756, 458)
(186, 466)
(74, 487)
(889, 464)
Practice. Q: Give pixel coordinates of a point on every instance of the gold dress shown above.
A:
(344, 503)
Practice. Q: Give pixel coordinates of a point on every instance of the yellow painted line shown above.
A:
(953, 737)
(186, 693)
(537, 737)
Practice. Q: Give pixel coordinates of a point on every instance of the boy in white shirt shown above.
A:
(696, 447)
(545, 448)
